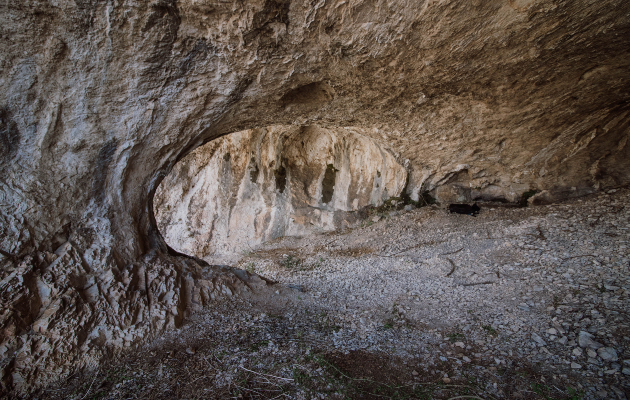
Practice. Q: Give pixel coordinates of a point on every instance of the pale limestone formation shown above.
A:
(100, 99)
(230, 195)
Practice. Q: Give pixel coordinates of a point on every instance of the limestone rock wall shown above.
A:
(99, 100)
(232, 194)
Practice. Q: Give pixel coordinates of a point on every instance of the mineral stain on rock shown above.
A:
(101, 169)
(281, 178)
(9, 136)
(328, 184)
(254, 171)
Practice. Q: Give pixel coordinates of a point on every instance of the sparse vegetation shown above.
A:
(258, 345)
(250, 268)
(291, 262)
(490, 330)
(456, 337)
(395, 203)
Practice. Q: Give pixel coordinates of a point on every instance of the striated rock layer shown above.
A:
(99, 99)
(230, 195)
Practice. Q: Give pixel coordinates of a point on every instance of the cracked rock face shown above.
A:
(99, 100)
(236, 192)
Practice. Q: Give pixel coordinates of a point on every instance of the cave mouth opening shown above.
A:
(234, 193)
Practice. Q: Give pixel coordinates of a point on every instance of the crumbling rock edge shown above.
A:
(59, 315)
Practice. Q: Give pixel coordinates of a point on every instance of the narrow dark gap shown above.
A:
(281, 178)
(328, 184)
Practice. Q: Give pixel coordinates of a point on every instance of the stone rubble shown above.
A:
(540, 288)
(548, 285)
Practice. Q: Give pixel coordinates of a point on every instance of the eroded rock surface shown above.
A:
(59, 315)
(232, 194)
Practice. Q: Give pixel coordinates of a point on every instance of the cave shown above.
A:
(296, 181)
(163, 161)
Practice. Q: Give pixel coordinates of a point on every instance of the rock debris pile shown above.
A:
(514, 303)
(548, 285)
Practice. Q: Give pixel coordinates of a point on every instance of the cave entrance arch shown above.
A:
(236, 192)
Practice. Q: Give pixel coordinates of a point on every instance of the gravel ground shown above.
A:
(514, 303)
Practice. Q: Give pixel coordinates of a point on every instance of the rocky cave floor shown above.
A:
(514, 303)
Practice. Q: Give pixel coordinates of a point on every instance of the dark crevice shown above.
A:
(281, 178)
(254, 171)
(328, 184)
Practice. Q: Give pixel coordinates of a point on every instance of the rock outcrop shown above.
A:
(100, 99)
(232, 194)
(59, 315)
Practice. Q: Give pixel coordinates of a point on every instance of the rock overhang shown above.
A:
(100, 101)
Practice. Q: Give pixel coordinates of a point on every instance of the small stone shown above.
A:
(414, 373)
(575, 365)
(591, 353)
(466, 359)
(552, 331)
(577, 352)
(626, 371)
(620, 394)
(460, 344)
(607, 354)
(563, 340)
(446, 380)
(585, 339)
(610, 371)
(602, 394)
(376, 218)
(538, 339)
(191, 350)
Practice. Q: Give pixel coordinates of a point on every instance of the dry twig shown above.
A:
(452, 269)
(259, 373)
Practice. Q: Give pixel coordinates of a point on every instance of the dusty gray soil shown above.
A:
(514, 303)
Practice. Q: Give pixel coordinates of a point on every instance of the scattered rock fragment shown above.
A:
(536, 338)
(585, 340)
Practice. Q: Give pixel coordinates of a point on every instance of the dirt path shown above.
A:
(514, 303)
